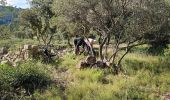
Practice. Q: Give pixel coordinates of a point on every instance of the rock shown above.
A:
(105, 80)
(17, 60)
(4, 50)
(52, 51)
(6, 62)
(90, 60)
(27, 47)
(34, 47)
(101, 64)
(26, 54)
(1, 56)
(83, 65)
(166, 96)
(108, 64)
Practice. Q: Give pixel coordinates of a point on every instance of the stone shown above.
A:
(6, 62)
(91, 60)
(34, 47)
(27, 47)
(108, 64)
(83, 65)
(101, 64)
(166, 96)
(4, 50)
(105, 80)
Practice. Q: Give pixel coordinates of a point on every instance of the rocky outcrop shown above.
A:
(24, 53)
(91, 61)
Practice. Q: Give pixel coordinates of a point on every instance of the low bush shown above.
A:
(23, 79)
(6, 78)
(31, 77)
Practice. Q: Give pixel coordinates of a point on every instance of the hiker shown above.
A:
(88, 43)
(78, 41)
(48, 55)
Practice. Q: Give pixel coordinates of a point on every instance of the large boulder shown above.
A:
(33, 52)
(91, 60)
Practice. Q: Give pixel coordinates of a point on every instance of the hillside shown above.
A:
(85, 50)
(8, 14)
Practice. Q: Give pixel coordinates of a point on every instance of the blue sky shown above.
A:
(18, 3)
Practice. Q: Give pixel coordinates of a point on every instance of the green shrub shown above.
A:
(31, 77)
(140, 49)
(25, 78)
(6, 78)
(167, 52)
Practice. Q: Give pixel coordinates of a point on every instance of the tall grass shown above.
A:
(145, 77)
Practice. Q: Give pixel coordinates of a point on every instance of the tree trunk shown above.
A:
(68, 42)
(50, 39)
(106, 48)
(101, 49)
(118, 67)
(115, 69)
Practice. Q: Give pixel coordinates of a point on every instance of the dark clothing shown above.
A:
(48, 56)
(79, 41)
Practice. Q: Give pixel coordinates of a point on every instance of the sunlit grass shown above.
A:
(142, 57)
(145, 77)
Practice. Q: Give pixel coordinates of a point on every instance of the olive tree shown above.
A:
(39, 18)
(159, 38)
(122, 23)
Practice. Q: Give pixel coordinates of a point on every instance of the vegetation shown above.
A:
(133, 36)
(9, 21)
(121, 21)
(25, 78)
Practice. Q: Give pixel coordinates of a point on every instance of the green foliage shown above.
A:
(157, 67)
(167, 53)
(25, 78)
(39, 19)
(144, 76)
(9, 21)
(6, 77)
(20, 34)
(31, 77)
(4, 32)
(89, 75)
(158, 48)
(147, 78)
(70, 60)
